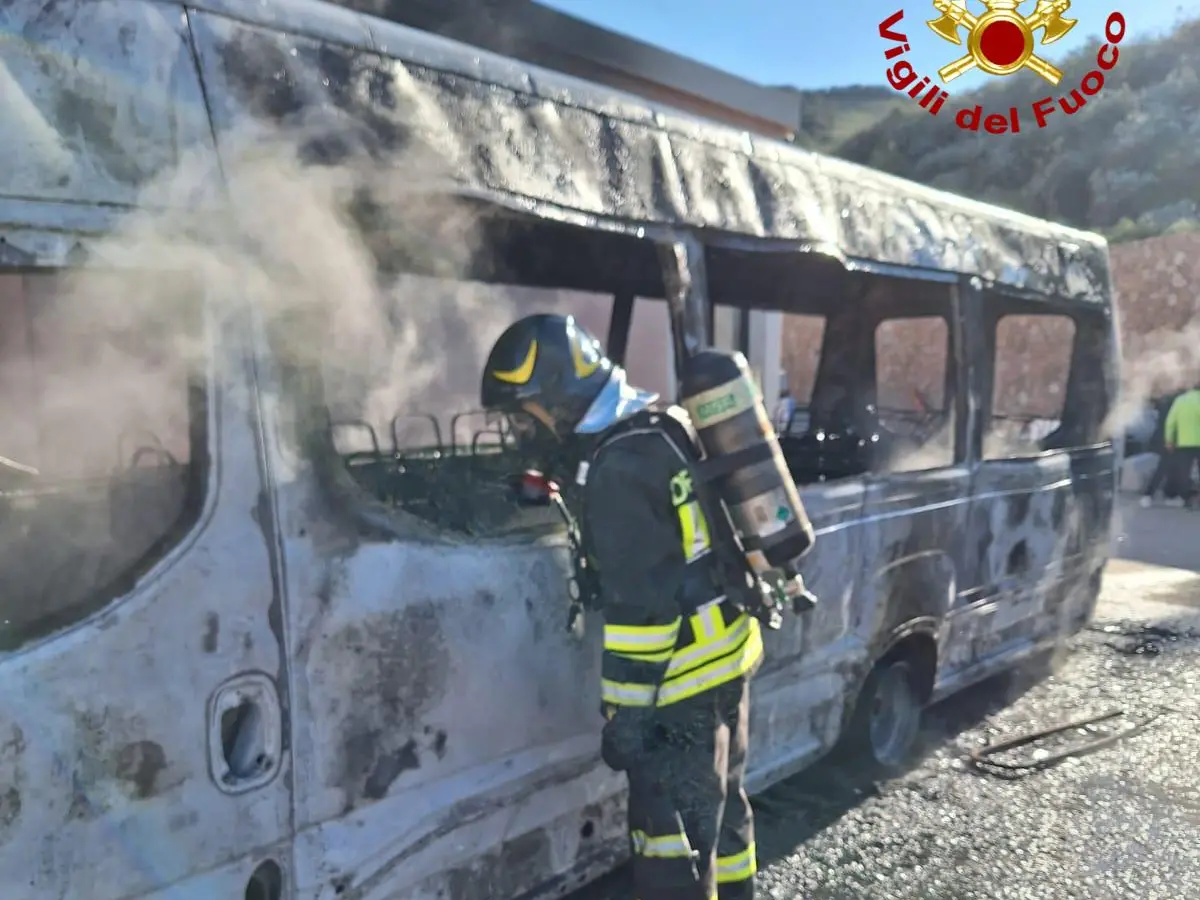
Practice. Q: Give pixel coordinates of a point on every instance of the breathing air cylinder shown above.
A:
(741, 449)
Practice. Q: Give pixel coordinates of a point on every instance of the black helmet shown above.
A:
(544, 368)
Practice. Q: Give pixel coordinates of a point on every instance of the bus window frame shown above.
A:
(393, 520)
(982, 323)
(204, 390)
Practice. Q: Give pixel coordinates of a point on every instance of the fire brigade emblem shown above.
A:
(1001, 40)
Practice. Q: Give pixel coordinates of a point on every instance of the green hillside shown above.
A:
(1127, 164)
(833, 116)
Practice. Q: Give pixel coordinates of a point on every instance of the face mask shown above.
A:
(537, 448)
(525, 430)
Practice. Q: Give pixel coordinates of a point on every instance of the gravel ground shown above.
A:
(1123, 822)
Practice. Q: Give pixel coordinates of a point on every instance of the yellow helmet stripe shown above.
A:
(582, 368)
(522, 373)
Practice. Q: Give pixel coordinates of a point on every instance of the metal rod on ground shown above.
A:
(982, 758)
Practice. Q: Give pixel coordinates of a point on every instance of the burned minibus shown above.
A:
(276, 624)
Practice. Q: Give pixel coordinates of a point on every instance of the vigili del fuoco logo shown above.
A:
(999, 41)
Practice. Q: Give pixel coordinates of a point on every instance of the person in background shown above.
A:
(786, 407)
(1182, 438)
(1158, 444)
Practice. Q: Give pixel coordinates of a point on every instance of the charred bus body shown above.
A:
(243, 658)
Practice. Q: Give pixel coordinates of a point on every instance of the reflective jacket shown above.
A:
(669, 632)
(1182, 428)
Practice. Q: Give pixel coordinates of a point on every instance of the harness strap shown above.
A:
(734, 578)
(710, 470)
(739, 583)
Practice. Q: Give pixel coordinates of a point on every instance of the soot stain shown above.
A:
(94, 116)
(110, 753)
(389, 767)
(1058, 510)
(181, 821)
(504, 872)
(1018, 559)
(126, 36)
(10, 806)
(264, 517)
(984, 538)
(327, 587)
(139, 765)
(212, 630)
(400, 666)
(1018, 509)
(545, 580)
(14, 746)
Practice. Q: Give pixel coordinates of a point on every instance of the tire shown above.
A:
(884, 730)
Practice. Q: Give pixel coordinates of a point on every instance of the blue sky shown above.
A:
(814, 44)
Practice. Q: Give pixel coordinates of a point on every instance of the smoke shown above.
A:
(1161, 362)
(314, 254)
(933, 452)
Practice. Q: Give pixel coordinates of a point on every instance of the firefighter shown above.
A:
(677, 655)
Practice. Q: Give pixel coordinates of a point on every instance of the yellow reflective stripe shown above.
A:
(737, 867)
(716, 673)
(522, 373)
(694, 529)
(620, 694)
(667, 846)
(641, 638)
(681, 487)
(707, 622)
(706, 651)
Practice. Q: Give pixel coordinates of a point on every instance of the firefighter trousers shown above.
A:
(690, 822)
(1181, 462)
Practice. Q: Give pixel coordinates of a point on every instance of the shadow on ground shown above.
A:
(793, 811)
(1158, 536)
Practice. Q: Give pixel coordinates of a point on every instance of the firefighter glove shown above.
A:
(625, 738)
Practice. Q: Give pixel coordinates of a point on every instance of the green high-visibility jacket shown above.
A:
(1182, 428)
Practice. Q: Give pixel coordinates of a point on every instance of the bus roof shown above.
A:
(553, 39)
(527, 138)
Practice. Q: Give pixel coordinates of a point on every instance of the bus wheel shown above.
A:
(886, 723)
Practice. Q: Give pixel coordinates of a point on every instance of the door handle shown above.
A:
(245, 733)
